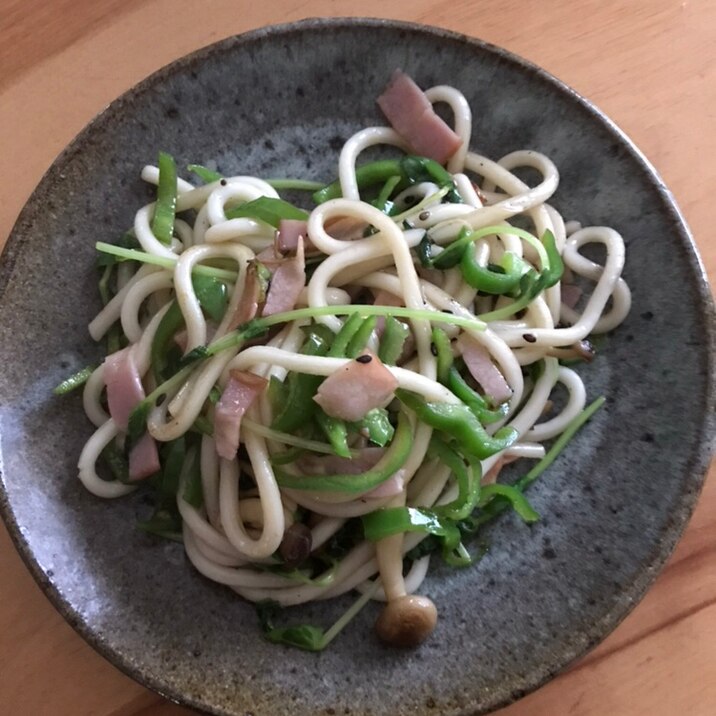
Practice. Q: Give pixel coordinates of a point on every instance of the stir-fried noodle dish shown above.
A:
(320, 395)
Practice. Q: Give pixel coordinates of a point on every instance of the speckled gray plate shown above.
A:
(280, 101)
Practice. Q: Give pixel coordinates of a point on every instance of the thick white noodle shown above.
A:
(353, 147)
(88, 460)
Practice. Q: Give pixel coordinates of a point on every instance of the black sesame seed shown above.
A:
(364, 358)
(424, 215)
(529, 337)
(223, 182)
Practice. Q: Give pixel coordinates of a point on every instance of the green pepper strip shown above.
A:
(376, 424)
(487, 279)
(532, 283)
(206, 175)
(552, 274)
(343, 337)
(530, 286)
(171, 322)
(393, 459)
(383, 201)
(165, 209)
(514, 496)
(367, 175)
(444, 354)
(458, 385)
(277, 393)
(460, 423)
(74, 381)
(360, 338)
(300, 407)
(174, 455)
(468, 481)
(322, 333)
(411, 169)
(267, 209)
(420, 169)
(424, 252)
(211, 294)
(336, 431)
(396, 520)
(116, 462)
(452, 254)
(392, 341)
(193, 488)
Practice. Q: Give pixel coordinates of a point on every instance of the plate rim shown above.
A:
(697, 464)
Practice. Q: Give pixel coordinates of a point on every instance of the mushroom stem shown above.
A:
(389, 553)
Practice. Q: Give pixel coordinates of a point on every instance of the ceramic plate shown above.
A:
(281, 101)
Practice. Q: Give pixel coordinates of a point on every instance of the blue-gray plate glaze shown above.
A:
(280, 101)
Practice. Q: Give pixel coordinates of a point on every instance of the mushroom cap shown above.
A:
(406, 621)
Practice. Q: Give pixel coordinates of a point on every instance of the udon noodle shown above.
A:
(404, 274)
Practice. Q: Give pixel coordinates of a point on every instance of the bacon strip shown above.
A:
(287, 282)
(251, 297)
(483, 370)
(124, 392)
(143, 458)
(412, 116)
(358, 387)
(240, 393)
(289, 232)
(571, 294)
(124, 385)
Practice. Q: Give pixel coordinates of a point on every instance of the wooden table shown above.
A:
(651, 66)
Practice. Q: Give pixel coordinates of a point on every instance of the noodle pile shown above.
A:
(248, 522)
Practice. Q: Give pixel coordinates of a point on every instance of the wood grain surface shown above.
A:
(650, 65)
